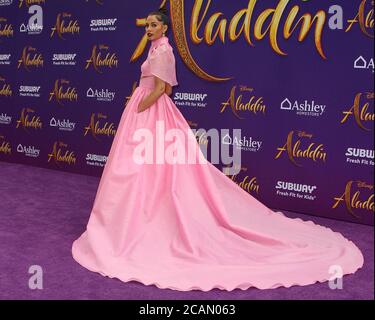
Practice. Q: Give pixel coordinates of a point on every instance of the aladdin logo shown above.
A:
(5, 59)
(253, 105)
(202, 138)
(305, 109)
(364, 17)
(359, 110)
(101, 57)
(243, 143)
(5, 146)
(65, 25)
(5, 89)
(217, 28)
(28, 3)
(363, 156)
(29, 91)
(96, 160)
(101, 95)
(361, 63)
(200, 135)
(64, 59)
(25, 122)
(30, 58)
(192, 124)
(267, 25)
(248, 184)
(6, 29)
(293, 150)
(103, 24)
(63, 125)
(60, 94)
(353, 201)
(29, 151)
(95, 129)
(295, 190)
(60, 154)
(5, 119)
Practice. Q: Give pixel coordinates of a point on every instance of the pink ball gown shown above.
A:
(186, 226)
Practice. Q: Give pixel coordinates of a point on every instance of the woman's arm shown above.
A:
(158, 91)
(168, 89)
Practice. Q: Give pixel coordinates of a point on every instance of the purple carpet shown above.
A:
(42, 211)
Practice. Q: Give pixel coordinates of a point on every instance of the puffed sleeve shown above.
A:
(163, 64)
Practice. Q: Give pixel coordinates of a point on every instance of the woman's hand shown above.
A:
(140, 108)
(156, 93)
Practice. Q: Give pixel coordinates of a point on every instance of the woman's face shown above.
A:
(154, 28)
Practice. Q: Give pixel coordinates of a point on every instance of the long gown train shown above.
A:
(188, 226)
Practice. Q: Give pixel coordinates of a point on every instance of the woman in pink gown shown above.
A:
(187, 226)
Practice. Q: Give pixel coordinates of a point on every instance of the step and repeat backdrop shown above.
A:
(296, 76)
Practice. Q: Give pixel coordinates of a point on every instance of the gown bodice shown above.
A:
(160, 62)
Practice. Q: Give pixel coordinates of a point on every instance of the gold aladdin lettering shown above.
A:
(30, 61)
(360, 113)
(28, 3)
(70, 93)
(254, 105)
(58, 155)
(60, 28)
(25, 121)
(5, 148)
(312, 152)
(353, 201)
(96, 59)
(93, 126)
(6, 30)
(216, 27)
